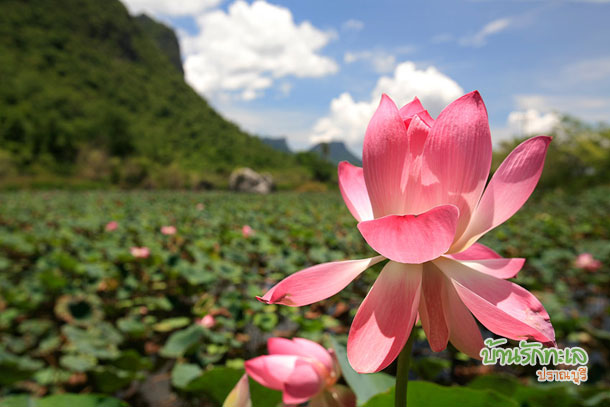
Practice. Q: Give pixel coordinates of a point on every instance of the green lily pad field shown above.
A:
(80, 313)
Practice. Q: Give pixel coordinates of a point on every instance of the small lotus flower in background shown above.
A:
(302, 370)
(140, 252)
(168, 230)
(207, 321)
(112, 225)
(240, 395)
(200, 206)
(422, 203)
(246, 231)
(586, 261)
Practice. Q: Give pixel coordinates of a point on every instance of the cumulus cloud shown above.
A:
(532, 122)
(170, 7)
(352, 25)
(480, 38)
(244, 50)
(348, 118)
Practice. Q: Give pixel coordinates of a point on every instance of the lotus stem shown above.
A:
(402, 372)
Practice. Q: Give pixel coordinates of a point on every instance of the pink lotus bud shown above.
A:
(247, 231)
(168, 230)
(303, 370)
(207, 321)
(112, 225)
(140, 252)
(200, 206)
(586, 261)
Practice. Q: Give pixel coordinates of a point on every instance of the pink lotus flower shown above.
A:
(168, 230)
(207, 321)
(112, 225)
(302, 370)
(140, 252)
(247, 231)
(200, 206)
(587, 262)
(240, 395)
(421, 202)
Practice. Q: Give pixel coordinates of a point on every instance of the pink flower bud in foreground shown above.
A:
(586, 261)
(140, 252)
(168, 230)
(240, 395)
(302, 370)
(422, 201)
(247, 231)
(112, 225)
(207, 321)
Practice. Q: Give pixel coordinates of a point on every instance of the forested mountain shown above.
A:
(90, 91)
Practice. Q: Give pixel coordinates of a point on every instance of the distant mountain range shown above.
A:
(333, 152)
(279, 143)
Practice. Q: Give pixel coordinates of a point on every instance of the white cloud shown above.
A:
(244, 50)
(352, 25)
(531, 122)
(480, 38)
(348, 119)
(381, 62)
(170, 7)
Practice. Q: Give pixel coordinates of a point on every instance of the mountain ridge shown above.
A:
(335, 152)
(92, 90)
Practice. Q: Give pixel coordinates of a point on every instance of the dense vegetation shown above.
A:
(90, 92)
(578, 157)
(80, 313)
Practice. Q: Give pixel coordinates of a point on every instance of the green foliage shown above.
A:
(423, 394)
(541, 395)
(578, 156)
(164, 37)
(364, 386)
(180, 342)
(216, 384)
(91, 92)
(63, 400)
(320, 169)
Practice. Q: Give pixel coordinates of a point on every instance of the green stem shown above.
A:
(402, 372)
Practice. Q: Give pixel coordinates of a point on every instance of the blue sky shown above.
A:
(314, 70)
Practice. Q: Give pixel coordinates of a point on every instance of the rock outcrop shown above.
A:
(248, 180)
